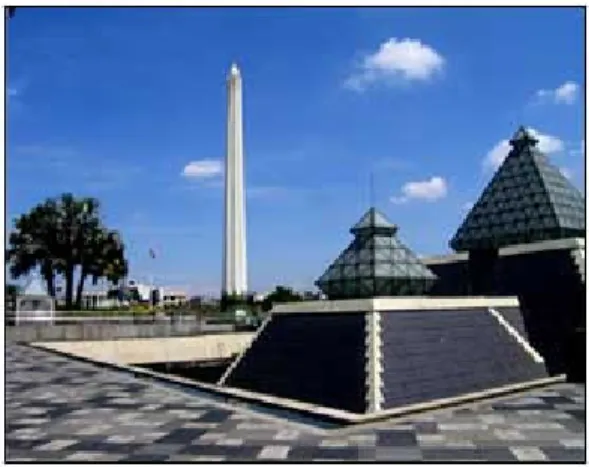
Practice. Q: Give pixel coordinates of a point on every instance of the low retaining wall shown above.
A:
(98, 330)
(156, 350)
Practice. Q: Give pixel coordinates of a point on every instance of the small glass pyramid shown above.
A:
(375, 264)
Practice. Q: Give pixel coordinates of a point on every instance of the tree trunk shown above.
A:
(49, 276)
(69, 286)
(80, 289)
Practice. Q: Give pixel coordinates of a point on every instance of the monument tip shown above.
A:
(234, 69)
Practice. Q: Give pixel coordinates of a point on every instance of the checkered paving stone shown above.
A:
(60, 409)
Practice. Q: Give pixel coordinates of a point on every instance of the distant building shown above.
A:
(133, 291)
(259, 297)
(172, 297)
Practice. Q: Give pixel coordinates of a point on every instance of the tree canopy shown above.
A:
(62, 236)
(280, 294)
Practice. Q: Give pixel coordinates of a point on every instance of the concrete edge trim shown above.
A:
(373, 369)
(488, 394)
(115, 350)
(559, 244)
(444, 259)
(391, 304)
(236, 362)
(325, 413)
(521, 340)
(441, 303)
(326, 306)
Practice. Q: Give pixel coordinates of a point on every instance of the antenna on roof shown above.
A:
(372, 189)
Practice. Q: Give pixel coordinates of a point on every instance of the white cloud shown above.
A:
(399, 199)
(397, 59)
(206, 168)
(547, 144)
(568, 173)
(579, 151)
(427, 190)
(566, 93)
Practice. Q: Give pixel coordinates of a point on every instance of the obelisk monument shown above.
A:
(234, 251)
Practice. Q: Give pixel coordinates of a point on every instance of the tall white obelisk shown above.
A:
(234, 252)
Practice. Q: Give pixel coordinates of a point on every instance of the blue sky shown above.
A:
(115, 103)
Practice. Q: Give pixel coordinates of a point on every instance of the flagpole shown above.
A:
(152, 304)
(151, 290)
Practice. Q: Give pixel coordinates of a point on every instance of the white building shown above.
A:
(100, 299)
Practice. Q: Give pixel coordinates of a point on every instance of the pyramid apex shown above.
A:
(523, 137)
(528, 200)
(373, 220)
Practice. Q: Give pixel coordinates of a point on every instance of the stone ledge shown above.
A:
(389, 304)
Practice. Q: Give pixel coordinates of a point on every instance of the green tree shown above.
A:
(280, 294)
(63, 236)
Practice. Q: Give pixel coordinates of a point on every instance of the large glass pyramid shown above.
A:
(527, 200)
(375, 264)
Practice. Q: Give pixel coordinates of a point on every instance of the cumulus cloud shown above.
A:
(579, 151)
(566, 93)
(397, 59)
(547, 144)
(206, 168)
(427, 190)
(568, 173)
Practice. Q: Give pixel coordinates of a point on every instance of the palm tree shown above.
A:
(64, 235)
(31, 244)
(104, 257)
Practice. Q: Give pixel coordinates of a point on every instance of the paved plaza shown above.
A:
(60, 409)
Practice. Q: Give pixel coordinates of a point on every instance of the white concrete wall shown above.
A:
(156, 350)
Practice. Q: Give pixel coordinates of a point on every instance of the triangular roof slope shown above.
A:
(527, 200)
(375, 263)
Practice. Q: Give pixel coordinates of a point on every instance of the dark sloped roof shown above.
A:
(375, 263)
(527, 200)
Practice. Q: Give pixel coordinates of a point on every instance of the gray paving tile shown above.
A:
(559, 454)
(62, 410)
(398, 454)
(450, 454)
(274, 452)
(528, 454)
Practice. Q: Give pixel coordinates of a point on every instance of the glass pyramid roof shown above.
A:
(375, 263)
(527, 200)
(372, 221)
